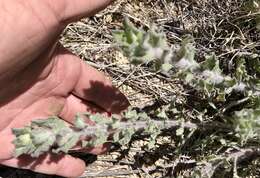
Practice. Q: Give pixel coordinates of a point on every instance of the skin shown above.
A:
(39, 78)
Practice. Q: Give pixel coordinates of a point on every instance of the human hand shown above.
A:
(39, 78)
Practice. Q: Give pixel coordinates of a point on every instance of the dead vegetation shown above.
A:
(222, 27)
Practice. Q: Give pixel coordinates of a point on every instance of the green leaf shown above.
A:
(180, 131)
(211, 63)
(126, 136)
(39, 137)
(67, 142)
(131, 114)
(79, 122)
(247, 124)
(100, 139)
(185, 57)
(241, 72)
(166, 67)
(140, 46)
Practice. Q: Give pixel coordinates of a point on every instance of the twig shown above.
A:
(235, 103)
(108, 173)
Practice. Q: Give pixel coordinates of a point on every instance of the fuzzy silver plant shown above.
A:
(141, 47)
(57, 136)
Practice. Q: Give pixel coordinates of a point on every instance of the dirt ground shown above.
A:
(216, 28)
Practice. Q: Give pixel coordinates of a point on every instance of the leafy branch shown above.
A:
(56, 135)
(206, 77)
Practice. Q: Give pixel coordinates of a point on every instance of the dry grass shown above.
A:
(92, 40)
(218, 26)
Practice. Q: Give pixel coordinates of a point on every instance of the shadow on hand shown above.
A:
(110, 98)
(28, 162)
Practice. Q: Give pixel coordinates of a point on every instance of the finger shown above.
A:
(93, 86)
(70, 11)
(74, 106)
(99, 90)
(61, 165)
(6, 140)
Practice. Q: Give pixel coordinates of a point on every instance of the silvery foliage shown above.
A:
(143, 47)
(57, 136)
(207, 76)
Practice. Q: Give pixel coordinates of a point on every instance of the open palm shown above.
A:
(39, 78)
